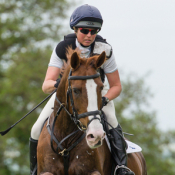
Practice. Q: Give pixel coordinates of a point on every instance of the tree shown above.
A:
(136, 116)
(29, 31)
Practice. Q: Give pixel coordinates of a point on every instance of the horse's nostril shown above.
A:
(99, 143)
(91, 135)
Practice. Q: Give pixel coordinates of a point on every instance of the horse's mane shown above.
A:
(70, 51)
(61, 87)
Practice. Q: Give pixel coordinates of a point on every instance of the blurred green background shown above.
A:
(29, 30)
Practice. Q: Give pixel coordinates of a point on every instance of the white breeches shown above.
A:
(45, 113)
(109, 110)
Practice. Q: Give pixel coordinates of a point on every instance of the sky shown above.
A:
(142, 34)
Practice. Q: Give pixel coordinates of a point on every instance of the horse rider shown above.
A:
(86, 21)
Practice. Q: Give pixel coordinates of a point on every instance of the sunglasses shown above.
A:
(86, 31)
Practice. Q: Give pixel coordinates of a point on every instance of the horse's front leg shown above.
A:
(95, 173)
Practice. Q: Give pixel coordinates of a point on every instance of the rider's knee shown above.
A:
(35, 133)
(109, 110)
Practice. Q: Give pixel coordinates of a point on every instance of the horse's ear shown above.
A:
(101, 59)
(75, 61)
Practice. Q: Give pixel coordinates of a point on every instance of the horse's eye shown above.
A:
(76, 91)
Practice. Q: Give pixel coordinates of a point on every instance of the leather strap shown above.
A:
(97, 112)
(84, 77)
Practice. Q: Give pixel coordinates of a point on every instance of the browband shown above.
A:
(84, 77)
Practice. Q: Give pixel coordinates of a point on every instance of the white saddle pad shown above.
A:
(132, 147)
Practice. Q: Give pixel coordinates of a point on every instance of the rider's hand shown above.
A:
(105, 101)
(57, 82)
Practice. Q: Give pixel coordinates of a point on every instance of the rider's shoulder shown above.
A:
(67, 40)
(60, 49)
(62, 45)
(102, 45)
(100, 37)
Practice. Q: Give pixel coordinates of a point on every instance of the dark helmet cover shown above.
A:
(86, 16)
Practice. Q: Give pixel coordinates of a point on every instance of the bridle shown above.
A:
(75, 116)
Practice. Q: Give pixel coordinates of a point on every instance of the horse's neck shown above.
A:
(64, 124)
(61, 93)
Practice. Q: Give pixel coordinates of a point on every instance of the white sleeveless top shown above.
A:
(109, 66)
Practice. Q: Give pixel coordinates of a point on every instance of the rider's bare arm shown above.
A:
(50, 79)
(115, 85)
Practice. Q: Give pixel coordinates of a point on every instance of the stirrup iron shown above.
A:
(121, 166)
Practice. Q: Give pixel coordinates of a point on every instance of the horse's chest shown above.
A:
(78, 164)
(83, 163)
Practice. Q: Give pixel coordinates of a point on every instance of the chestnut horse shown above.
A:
(72, 141)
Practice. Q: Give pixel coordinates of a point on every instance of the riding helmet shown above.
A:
(86, 16)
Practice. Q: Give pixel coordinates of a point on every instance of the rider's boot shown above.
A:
(33, 156)
(118, 150)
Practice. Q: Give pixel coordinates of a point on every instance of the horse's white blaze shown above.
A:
(95, 133)
(91, 88)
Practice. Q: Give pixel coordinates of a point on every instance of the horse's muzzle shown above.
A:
(95, 139)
